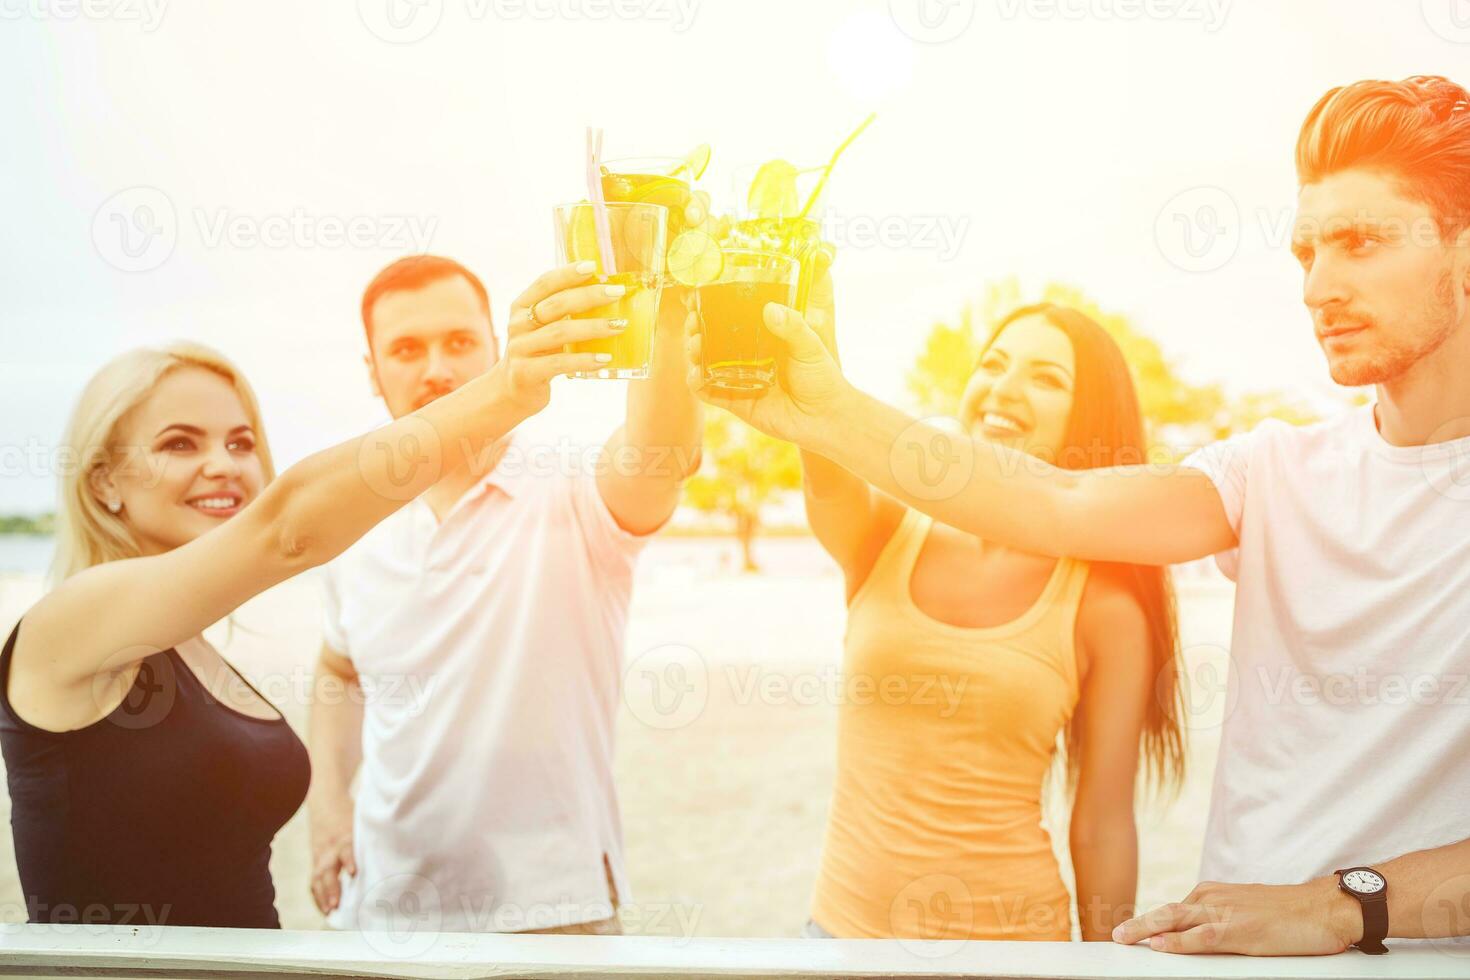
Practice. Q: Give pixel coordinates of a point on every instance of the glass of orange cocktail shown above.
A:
(632, 256)
(737, 350)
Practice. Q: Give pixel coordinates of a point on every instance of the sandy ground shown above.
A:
(724, 794)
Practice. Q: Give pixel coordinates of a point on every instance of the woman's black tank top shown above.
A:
(161, 813)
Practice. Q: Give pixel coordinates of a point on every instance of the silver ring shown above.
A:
(531, 314)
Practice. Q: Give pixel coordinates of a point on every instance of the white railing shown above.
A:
(45, 951)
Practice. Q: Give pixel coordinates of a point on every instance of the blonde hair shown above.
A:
(87, 533)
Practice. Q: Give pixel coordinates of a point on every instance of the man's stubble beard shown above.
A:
(1390, 363)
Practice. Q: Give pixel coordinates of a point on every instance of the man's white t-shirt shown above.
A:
(490, 651)
(1346, 738)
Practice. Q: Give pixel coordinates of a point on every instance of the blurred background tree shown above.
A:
(1180, 414)
(742, 470)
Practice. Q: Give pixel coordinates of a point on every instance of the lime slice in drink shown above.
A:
(695, 259)
(694, 162)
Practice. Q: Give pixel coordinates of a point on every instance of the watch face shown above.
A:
(1363, 881)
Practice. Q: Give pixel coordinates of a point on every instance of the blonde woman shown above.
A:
(147, 779)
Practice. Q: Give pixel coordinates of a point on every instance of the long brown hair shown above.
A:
(1105, 428)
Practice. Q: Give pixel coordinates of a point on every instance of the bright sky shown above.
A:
(1141, 149)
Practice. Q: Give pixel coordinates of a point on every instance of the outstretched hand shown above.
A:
(809, 382)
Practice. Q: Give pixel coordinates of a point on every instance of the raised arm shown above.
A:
(113, 615)
(657, 448)
(849, 520)
(1151, 515)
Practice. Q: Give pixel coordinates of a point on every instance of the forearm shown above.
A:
(656, 449)
(1142, 514)
(664, 419)
(1105, 861)
(987, 490)
(1428, 893)
(330, 499)
(334, 738)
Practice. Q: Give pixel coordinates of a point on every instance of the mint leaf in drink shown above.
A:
(773, 191)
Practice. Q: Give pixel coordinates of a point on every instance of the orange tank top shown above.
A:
(944, 740)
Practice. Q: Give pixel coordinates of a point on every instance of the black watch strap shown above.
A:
(1375, 924)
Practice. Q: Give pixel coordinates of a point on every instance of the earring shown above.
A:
(113, 506)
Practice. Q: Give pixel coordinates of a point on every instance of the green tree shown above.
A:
(742, 470)
(1177, 411)
(23, 524)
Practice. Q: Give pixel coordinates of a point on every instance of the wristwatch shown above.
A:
(1371, 891)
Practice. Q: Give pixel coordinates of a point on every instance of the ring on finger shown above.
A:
(531, 315)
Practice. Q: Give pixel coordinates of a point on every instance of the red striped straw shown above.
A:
(599, 205)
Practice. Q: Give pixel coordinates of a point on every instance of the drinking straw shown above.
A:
(599, 206)
(827, 172)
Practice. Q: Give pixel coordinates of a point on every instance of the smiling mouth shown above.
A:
(217, 504)
(1000, 424)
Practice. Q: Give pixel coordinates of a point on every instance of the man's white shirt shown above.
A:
(1346, 737)
(490, 649)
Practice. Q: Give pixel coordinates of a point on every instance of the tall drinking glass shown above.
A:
(738, 352)
(636, 237)
(651, 180)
